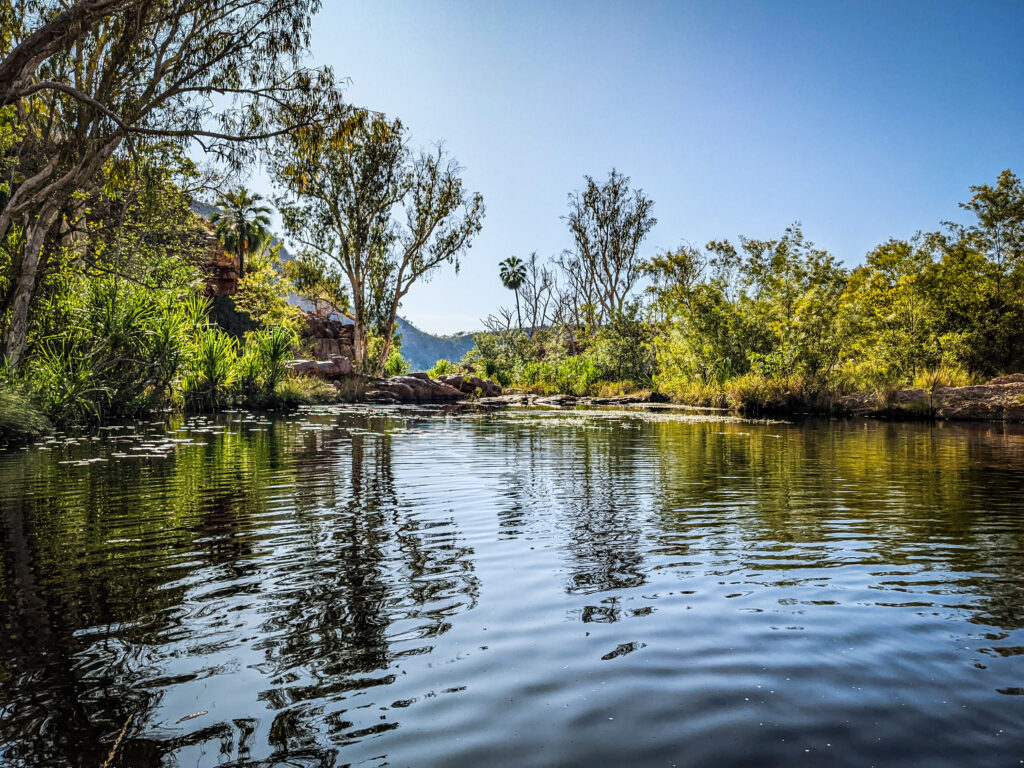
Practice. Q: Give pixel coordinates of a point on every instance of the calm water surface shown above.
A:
(522, 589)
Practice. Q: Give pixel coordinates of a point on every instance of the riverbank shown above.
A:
(1001, 399)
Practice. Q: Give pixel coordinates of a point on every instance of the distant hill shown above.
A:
(422, 349)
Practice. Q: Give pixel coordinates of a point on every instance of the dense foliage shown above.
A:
(104, 263)
(780, 322)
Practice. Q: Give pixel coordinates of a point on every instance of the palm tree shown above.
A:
(513, 272)
(242, 223)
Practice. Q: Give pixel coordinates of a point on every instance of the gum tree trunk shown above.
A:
(16, 337)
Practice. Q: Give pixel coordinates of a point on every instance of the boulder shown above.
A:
(344, 365)
(508, 401)
(334, 368)
(469, 384)
(558, 401)
(302, 367)
(415, 389)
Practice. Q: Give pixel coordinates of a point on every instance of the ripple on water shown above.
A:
(404, 587)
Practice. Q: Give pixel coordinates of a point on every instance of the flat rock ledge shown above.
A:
(1001, 399)
(516, 400)
(416, 387)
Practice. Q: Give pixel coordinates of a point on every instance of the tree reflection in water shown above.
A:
(302, 587)
(273, 562)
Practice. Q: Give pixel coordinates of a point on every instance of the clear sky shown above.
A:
(861, 120)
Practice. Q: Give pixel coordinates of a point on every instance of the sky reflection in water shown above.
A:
(369, 588)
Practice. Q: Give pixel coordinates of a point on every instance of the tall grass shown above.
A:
(943, 377)
(294, 391)
(757, 393)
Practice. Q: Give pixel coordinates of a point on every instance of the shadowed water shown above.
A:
(397, 588)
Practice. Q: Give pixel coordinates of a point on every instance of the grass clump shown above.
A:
(943, 377)
(756, 393)
(294, 391)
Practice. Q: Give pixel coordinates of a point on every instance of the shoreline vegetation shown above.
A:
(999, 400)
(119, 299)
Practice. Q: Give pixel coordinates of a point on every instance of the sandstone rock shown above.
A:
(639, 399)
(380, 397)
(503, 401)
(999, 400)
(1013, 378)
(344, 365)
(302, 367)
(403, 392)
(331, 337)
(418, 389)
(335, 368)
(557, 401)
(469, 384)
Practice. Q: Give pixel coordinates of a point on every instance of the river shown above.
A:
(350, 586)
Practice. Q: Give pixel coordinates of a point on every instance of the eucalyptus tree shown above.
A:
(387, 216)
(81, 82)
(319, 282)
(608, 222)
(512, 272)
(538, 293)
(242, 222)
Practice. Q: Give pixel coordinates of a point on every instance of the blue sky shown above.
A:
(861, 120)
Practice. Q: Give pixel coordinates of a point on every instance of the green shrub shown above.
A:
(396, 364)
(442, 367)
(110, 350)
(262, 366)
(294, 391)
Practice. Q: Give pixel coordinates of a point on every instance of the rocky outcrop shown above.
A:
(520, 400)
(1001, 399)
(470, 384)
(220, 269)
(334, 368)
(413, 388)
(1013, 378)
(572, 401)
(330, 337)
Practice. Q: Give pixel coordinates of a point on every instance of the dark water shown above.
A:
(515, 590)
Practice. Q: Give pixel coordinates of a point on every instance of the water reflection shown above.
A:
(282, 561)
(530, 589)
